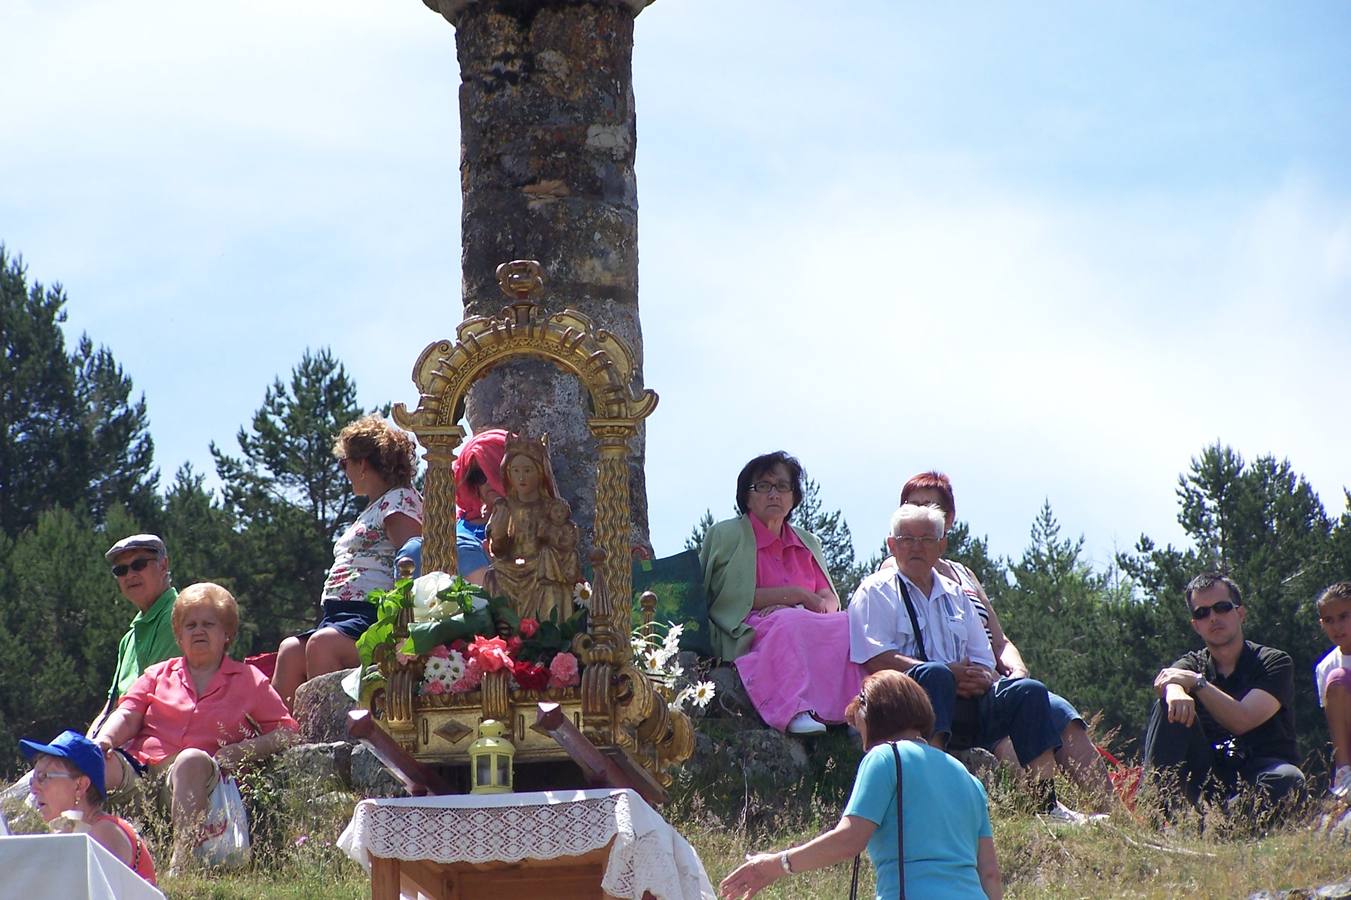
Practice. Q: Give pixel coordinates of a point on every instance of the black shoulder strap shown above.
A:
(900, 834)
(900, 821)
(904, 590)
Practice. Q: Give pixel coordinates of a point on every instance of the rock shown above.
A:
(1340, 891)
(370, 778)
(761, 757)
(315, 767)
(321, 708)
(731, 700)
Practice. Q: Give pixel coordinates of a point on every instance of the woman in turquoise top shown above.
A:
(949, 846)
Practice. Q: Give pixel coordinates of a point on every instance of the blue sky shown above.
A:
(1053, 249)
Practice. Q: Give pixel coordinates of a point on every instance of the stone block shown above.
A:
(314, 767)
(321, 707)
(370, 778)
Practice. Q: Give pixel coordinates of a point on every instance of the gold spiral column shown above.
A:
(438, 507)
(611, 607)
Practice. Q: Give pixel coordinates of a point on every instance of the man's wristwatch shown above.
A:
(1200, 683)
(783, 861)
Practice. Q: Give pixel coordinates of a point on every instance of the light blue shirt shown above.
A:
(945, 816)
(948, 621)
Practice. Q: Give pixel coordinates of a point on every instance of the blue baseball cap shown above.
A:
(83, 753)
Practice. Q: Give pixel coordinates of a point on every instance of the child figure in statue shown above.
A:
(560, 569)
(516, 524)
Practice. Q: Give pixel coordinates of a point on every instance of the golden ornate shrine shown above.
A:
(616, 704)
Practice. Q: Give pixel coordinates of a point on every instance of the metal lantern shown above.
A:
(490, 760)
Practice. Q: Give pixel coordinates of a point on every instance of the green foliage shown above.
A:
(388, 605)
(71, 435)
(695, 541)
(59, 626)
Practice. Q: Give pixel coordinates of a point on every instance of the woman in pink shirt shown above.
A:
(187, 718)
(772, 607)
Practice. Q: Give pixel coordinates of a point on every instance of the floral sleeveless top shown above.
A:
(363, 558)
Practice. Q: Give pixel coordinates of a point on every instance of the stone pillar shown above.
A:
(546, 169)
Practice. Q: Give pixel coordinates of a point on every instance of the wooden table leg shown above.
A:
(384, 878)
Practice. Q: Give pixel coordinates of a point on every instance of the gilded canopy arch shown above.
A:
(604, 365)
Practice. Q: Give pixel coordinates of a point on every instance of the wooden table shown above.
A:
(563, 845)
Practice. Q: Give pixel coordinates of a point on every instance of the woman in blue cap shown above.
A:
(68, 777)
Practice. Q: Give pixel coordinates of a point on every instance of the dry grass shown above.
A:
(295, 857)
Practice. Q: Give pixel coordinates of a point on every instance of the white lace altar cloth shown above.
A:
(647, 855)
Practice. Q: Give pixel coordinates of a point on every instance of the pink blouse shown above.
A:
(174, 717)
(783, 559)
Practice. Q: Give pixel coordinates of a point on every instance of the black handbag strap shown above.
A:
(904, 590)
(900, 834)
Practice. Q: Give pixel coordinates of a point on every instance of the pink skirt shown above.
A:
(799, 662)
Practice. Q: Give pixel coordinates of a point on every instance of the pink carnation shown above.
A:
(405, 658)
(529, 626)
(469, 681)
(491, 654)
(442, 651)
(433, 687)
(563, 671)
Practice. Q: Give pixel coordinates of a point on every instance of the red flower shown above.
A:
(529, 626)
(530, 676)
(514, 644)
(491, 653)
(459, 644)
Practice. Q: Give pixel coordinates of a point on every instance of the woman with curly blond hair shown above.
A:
(379, 461)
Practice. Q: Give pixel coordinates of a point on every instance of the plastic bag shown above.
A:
(225, 833)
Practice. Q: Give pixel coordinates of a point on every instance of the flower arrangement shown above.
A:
(462, 634)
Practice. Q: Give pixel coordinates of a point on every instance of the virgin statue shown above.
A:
(531, 544)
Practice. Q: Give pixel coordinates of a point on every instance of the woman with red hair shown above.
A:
(1078, 756)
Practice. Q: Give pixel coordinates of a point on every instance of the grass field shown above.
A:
(724, 818)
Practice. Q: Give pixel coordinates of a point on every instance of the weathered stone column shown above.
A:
(546, 169)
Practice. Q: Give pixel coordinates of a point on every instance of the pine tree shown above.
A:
(71, 438)
(288, 497)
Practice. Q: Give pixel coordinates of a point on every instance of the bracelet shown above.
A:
(783, 861)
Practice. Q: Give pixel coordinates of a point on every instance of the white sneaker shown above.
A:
(1065, 816)
(1341, 783)
(803, 723)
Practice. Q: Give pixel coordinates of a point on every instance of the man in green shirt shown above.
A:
(140, 564)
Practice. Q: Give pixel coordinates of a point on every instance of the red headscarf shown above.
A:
(484, 451)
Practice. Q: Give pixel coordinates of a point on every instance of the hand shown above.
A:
(767, 610)
(972, 680)
(754, 875)
(1183, 678)
(827, 601)
(1182, 710)
(231, 756)
(105, 744)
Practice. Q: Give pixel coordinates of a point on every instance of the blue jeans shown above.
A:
(1017, 708)
(1190, 755)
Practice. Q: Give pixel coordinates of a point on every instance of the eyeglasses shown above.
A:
(43, 777)
(911, 540)
(1219, 606)
(135, 565)
(778, 487)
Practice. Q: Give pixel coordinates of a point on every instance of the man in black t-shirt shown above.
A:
(1225, 713)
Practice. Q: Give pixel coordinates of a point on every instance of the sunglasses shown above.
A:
(1221, 606)
(135, 565)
